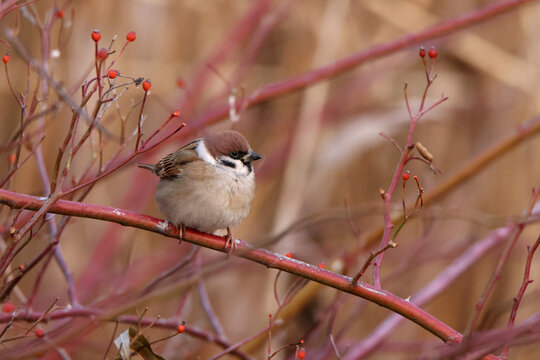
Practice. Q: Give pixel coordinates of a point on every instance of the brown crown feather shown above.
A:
(226, 141)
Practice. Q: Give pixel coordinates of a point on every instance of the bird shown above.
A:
(208, 184)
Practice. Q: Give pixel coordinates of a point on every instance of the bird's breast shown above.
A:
(207, 198)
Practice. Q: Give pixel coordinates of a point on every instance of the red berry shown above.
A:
(289, 255)
(40, 333)
(422, 52)
(176, 113)
(180, 83)
(11, 159)
(181, 328)
(8, 307)
(301, 353)
(432, 52)
(5, 59)
(406, 176)
(112, 74)
(60, 14)
(102, 53)
(146, 85)
(22, 267)
(96, 35)
(131, 36)
(322, 266)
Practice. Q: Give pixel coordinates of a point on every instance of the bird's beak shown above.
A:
(251, 156)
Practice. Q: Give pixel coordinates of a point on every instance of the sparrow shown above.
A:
(208, 184)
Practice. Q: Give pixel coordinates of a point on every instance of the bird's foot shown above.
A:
(182, 233)
(230, 245)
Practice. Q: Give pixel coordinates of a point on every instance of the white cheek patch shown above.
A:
(204, 154)
(239, 168)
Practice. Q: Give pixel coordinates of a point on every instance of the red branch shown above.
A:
(309, 78)
(462, 263)
(242, 249)
(497, 272)
(526, 281)
(83, 312)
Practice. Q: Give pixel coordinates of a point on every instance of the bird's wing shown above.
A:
(171, 165)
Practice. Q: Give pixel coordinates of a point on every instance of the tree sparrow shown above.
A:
(208, 184)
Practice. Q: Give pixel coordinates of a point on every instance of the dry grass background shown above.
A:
(320, 146)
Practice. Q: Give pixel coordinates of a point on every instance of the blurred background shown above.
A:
(323, 163)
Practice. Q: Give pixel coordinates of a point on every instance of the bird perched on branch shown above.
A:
(208, 184)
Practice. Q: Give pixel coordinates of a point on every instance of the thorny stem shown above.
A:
(525, 131)
(144, 148)
(490, 286)
(117, 55)
(205, 302)
(19, 101)
(387, 196)
(429, 81)
(8, 6)
(311, 272)
(469, 257)
(113, 336)
(370, 259)
(94, 121)
(283, 348)
(309, 78)
(407, 104)
(52, 188)
(98, 63)
(526, 281)
(393, 141)
(139, 122)
(239, 344)
(57, 313)
(140, 330)
(51, 308)
(9, 254)
(44, 29)
(69, 136)
(420, 198)
(42, 72)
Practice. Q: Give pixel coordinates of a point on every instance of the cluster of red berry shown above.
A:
(104, 52)
(432, 52)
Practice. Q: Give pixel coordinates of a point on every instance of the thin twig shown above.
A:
(205, 302)
(369, 260)
(490, 286)
(526, 281)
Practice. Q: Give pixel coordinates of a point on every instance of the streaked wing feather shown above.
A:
(171, 165)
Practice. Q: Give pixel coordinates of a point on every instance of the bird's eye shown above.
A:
(235, 155)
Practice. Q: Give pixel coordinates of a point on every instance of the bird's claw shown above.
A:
(182, 233)
(230, 244)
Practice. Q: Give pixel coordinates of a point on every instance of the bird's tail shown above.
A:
(150, 167)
